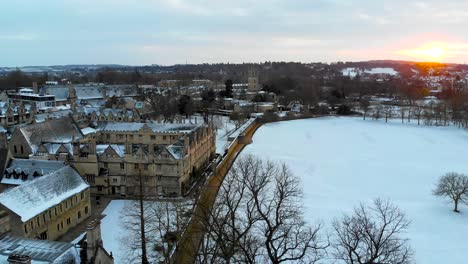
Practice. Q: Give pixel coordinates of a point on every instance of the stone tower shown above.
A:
(72, 96)
(254, 86)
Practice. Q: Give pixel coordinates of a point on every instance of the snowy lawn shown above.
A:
(345, 161)
(116, 237)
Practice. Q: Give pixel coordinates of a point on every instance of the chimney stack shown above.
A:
(34, 87)
(93, 237)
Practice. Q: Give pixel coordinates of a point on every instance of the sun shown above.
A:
(432, 52)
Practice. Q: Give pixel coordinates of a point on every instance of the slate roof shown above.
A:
(155, 127)
(60, 130)
(34, 197)
(40, 251)
(56, 114)
(61, 93)
(29, 169)
(119, 149)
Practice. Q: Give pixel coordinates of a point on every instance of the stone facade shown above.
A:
(47, 207)
(161, 157)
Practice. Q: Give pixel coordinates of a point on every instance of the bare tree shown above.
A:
(364, 105)
(372, 235)
(258, 218)
(454, 186)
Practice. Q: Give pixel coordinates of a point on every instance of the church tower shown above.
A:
(254, 86)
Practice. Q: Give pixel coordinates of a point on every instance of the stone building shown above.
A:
(164, 158)
(50, 139)
(47, 207)
(12, 114)
(253, 81)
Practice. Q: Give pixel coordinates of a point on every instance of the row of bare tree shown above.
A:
(259, 218)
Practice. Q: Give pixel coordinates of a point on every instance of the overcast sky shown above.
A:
(137, 32)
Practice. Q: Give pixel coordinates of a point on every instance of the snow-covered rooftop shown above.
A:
(60, 130)
(119, 149)
(20, 171)
(155, 127)
(40, 251)
(35, 197)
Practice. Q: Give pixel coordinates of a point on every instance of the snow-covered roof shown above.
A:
(176, 151)
(56, 114)
(20, 171)
(40, 251)
(88, 130)
(119, 149)
(155, 127)
(58, 130)
(34, 197)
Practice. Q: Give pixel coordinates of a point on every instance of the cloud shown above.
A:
(18, 37)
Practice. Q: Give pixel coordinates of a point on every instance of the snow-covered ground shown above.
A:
(352, 72)
(115, 235)
(345, 161)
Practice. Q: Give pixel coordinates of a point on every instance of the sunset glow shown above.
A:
(432, 52)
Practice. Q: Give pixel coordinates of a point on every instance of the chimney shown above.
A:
(34, 87)
(93, 238)
(19, 259)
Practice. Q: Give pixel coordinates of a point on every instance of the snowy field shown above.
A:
(352, 72)
(345, 161)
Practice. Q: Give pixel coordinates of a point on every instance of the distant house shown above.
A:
(51, 139)
(47, 207)
(19, 171)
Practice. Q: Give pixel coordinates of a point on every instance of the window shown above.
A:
(90, 178)
(106, 165)
(99, 188)
(58, 227)
(122, 166)
(108, 136)
(16, 151)
(153, 137)
(43, 235)
(146, 178)
(145, 166)
(121, 136)
(79, 214)
(114, 180)
(86, 210)
(136, 166)
(61, 225)
(164, 137)
(25, 229)
(22, 151)
(68, 221)
(82, 196)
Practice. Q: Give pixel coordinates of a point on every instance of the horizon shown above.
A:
(258, 63)
(170, 32)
